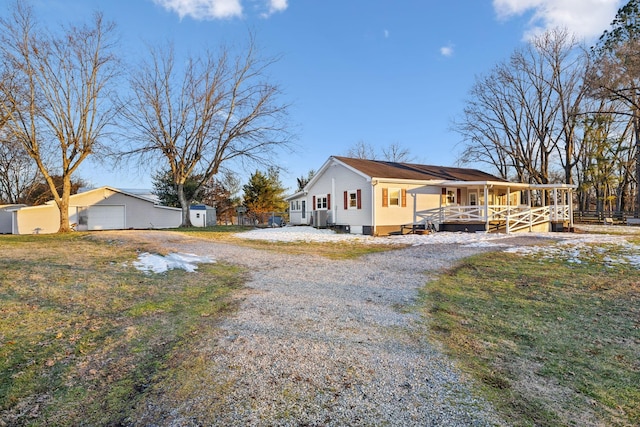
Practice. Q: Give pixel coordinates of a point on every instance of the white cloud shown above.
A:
(274, 6)
(278, 5)
(216, 9)
(446, 50)
(585, 18)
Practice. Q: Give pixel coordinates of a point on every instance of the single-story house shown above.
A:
(378, 198)
(202, 216)
(104, 208)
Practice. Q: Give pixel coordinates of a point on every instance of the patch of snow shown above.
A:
(303, 234)
(159, 264)
(572, 247)
(310, 234)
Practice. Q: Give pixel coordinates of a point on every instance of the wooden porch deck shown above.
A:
(509, 219)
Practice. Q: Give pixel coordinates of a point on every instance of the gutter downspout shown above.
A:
(334, 202)
(373, 206)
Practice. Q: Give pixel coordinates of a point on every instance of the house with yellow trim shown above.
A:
(375, 197)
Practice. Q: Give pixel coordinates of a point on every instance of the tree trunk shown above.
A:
(63, 204)
(184, 204)
(636, 129)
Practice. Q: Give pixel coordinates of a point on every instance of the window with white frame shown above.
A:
(353, 200)
(321, 202)
(451, 196)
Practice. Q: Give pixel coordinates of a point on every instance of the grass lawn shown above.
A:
(551, 343)
(83, 333)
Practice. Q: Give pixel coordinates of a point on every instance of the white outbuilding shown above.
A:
(104, 208)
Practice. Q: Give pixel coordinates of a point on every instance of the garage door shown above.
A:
(106, 218)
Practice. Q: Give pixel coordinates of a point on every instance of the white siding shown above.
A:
(299, 210)
(335, 180)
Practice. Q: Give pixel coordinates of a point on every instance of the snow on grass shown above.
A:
(310, 234)
(159, 264)
(593, 246)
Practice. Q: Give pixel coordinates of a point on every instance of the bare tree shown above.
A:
(397, 153)
(56, 103)
(361, 150)
(617, 72)
(394, 152)
(18, 172)
(205, 112)
(522, 118)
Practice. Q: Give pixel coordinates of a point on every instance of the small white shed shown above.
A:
(202, 216)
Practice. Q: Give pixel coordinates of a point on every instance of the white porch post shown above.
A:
(507, 228)
(441, 212)
(486, 207)
(570, 195)
(555, 204)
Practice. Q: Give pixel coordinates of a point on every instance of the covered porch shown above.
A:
(489, 206)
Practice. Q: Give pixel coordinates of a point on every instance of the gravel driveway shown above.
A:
(319, 342)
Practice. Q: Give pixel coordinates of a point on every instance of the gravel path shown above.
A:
(319, 342)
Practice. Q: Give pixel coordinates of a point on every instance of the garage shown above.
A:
(104, 208)
(106, 218)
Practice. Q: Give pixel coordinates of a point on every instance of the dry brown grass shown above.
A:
(83, 334)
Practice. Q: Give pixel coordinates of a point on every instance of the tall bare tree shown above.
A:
(18, 172)
(362, 150)
(522, 117)
(617, 74)
(56, 102)
(394, 152)
(203, 112)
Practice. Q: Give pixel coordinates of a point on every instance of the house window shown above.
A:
(304, 209)
(451, 196)
(353, 199)
(83, 215)
(473, 198)
(394, 197)
(322, 202)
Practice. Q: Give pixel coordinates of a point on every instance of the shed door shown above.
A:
(106, 218)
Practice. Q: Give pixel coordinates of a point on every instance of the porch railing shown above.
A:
(527, 219)
(514, 217)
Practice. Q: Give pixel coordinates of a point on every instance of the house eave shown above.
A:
(295, 195)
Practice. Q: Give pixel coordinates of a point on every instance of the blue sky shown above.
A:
(377, 71)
